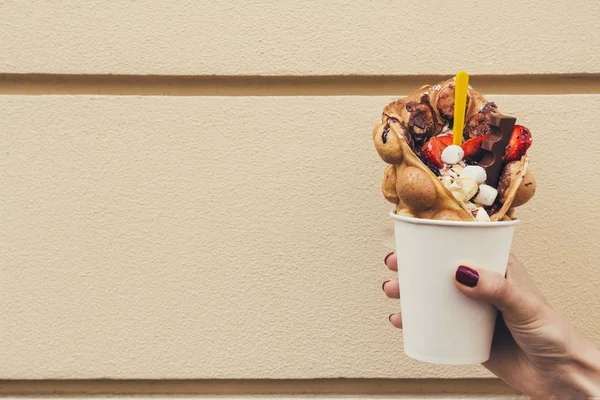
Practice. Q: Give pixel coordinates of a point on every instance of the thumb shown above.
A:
(481, 284)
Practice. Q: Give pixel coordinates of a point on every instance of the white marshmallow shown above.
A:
(454, 186)
(481, 215)
(486, 196)
(463, 189)
(452, 154)
(455, 170)
(469, 187)
(474, 172)
(447, 181)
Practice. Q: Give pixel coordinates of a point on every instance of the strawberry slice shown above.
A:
(472, 146)
(520, 141)
(432, 149)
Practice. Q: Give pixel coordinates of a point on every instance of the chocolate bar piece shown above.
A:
(495, 146)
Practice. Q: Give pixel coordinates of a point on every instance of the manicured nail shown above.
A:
(467, 276)
(383, 285)
(386, 257)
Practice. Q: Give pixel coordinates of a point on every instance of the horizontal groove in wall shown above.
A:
(255, 387)
(159, 85)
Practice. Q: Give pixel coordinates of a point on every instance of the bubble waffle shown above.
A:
(403, 139)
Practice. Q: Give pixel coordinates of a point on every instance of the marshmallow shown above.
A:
(452, 154)
(454, 186)
(469, 187)
(471, 206)
(474, 172)
(481, 215)
(452, 170)
(463, 189)
(486, 196)
(455, 170)
(446, 181)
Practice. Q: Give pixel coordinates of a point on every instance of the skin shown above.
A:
(535, 350)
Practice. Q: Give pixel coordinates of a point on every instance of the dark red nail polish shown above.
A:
(467, 276)
(386, 257)
(383, 284)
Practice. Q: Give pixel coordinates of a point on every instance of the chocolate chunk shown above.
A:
(422, 122)
(489, 108)
(445, 104)
(479, 124)
(494, 147)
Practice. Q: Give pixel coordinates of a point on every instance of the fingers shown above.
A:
(391, 261)
(518, 275)
(396, 320)
(391, 289)
(517, 304)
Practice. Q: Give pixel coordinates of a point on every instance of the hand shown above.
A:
(534, 349)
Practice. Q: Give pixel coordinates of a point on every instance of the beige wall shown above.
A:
(262, 37)
(240, 237)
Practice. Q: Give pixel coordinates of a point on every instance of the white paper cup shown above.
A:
(440, 324)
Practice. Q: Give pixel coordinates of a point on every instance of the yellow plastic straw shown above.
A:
(460, 103)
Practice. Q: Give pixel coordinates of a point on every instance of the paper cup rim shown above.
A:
(470, 224)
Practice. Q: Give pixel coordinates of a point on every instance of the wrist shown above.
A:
(581, 374)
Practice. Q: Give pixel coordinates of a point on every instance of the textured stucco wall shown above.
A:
(242, 237)
(295, 37)
(219, 237)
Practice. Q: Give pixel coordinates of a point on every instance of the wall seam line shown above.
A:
(336, 386)
(336, 85)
